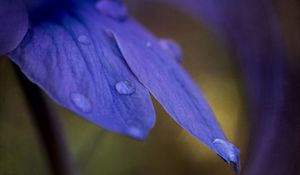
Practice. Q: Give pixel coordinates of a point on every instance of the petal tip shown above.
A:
(228, 152)
(137, 133)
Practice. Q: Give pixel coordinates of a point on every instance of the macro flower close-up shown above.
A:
(97, 61)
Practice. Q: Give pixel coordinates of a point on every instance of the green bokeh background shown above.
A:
(168, 149)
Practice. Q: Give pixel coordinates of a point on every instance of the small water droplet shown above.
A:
(172, 48)
(228, 152)
(136, 128)
(113, 9)
(84, 39)
(125, 88)
(136, 133)
(148, 44)
(81, 102)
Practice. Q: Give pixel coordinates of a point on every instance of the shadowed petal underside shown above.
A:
(14, 24)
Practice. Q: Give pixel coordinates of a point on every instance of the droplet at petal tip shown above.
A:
(228, 152)
(137, 134)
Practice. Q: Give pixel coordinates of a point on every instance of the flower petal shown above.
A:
(76, 63)
(172, 87)
(253, 31)
(14, 24)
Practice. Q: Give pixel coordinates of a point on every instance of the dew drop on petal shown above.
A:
(82, 102)
(228, 152)
(172, 48)
(148, 44)
(136, 133)
(125, 88)
(113, 9)
(135, 129)
(83, 39)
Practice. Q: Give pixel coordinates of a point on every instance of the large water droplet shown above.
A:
(125, 88)
(172, 48)
(112, 8)
(83, 39)
(81, 102)
(228, 152)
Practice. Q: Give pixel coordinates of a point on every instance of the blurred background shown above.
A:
(168, 149)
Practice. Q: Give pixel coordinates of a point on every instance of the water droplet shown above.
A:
(84, 39)
(125, 88)
(81, 102)
(113, 9)
(148, 44)
(228, 152)
(136, 129)
(172, 48)
(136, 133)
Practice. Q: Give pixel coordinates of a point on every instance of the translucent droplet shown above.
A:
(172, 48)
(113, 9)
(228, 152)
(125, 88)
(148, 44)
(136, 129)
(81, 102)
(136, 133)
(83, 39)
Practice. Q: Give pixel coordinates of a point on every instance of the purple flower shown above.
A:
(95, 60)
